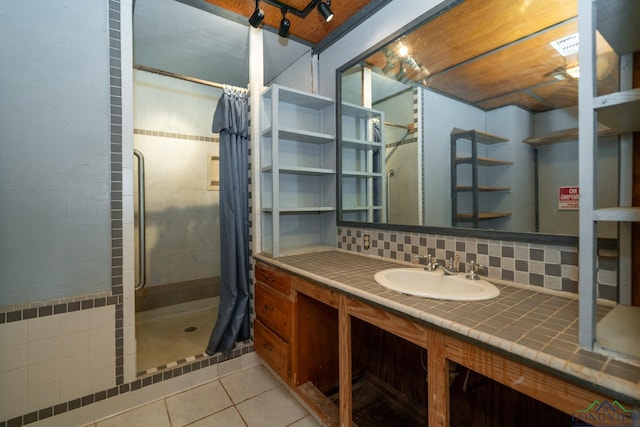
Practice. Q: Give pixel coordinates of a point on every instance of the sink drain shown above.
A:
(191, 329)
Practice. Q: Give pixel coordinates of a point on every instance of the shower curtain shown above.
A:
(231, 121)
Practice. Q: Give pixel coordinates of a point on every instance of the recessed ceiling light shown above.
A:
(567, 45)
(574, 72)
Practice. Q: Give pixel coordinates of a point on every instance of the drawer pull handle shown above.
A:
(268, 307)
(267, 347)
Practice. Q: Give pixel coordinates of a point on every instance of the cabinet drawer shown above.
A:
(272, 349)
(274, 310)
(269, 276)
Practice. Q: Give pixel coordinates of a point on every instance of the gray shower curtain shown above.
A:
(231, 121)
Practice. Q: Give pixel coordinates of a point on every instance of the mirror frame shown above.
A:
(529, 237)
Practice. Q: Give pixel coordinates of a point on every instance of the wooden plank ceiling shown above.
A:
(312, 29)
(489, 53)
(492, 53)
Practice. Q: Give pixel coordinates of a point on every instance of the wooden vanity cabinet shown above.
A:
(272, 328)
(321, 342)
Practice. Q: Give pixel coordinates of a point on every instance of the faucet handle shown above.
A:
(431, 265)
(451, 266)
(428, 257)
(472, 271)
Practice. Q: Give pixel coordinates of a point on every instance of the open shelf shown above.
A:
(565, 135)
(302, 136)
(624, 214)
(462, 188)
(483, 216)
(619, 111)
(483, 161)
(479, 136)
(359, 143)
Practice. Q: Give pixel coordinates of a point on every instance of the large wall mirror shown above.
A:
(466, 122)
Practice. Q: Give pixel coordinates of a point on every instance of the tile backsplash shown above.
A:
(549, 266)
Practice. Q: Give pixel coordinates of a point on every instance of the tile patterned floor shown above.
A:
(252, 397)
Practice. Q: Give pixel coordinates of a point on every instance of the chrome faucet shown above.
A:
(431, 266)
(450, 269)
(472, 271)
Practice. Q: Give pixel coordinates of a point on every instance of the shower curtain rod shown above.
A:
(187, 78)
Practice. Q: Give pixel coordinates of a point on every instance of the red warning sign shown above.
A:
(569, 198)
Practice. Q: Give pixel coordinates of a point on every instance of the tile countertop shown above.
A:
(538, 328)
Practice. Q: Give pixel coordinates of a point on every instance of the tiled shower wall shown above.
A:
(71, 361)
(548, 266)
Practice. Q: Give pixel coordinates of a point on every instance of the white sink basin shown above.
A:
(435, 284)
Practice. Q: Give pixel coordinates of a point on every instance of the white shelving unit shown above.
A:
(618, 22)
(298, 171)
(363, 165)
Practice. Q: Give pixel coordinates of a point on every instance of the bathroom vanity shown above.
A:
(326, 328)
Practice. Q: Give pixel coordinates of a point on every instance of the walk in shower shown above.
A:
(176, 223)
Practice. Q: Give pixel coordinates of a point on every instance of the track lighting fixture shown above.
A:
(284, 24)
(258, 15)
(325, 10)
(401, 73)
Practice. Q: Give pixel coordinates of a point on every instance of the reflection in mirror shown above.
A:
(455, 124)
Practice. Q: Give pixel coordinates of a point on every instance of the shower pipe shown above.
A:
(142, 250)
(390, 173)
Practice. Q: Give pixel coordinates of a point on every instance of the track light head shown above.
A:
(325, 10)
(388, 67)
(285, 25)
(256, 18)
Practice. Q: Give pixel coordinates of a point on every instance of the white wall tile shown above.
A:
(42, 351)
(233, 365)
(13, 405)
(102, 317)
(102, 379)
(42, 374)
(129, 338)
(130, 367)
(73, 344)
(100, 360)
(12, 382)
(74, 387)
(70, 323)
(42, 396)
(42, 328)
(13, 357)
(73, 366)
(552, 282)
(13, 333)
(102, 339)
(204, 375)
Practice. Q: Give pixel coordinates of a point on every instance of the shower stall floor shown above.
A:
(167, 334)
